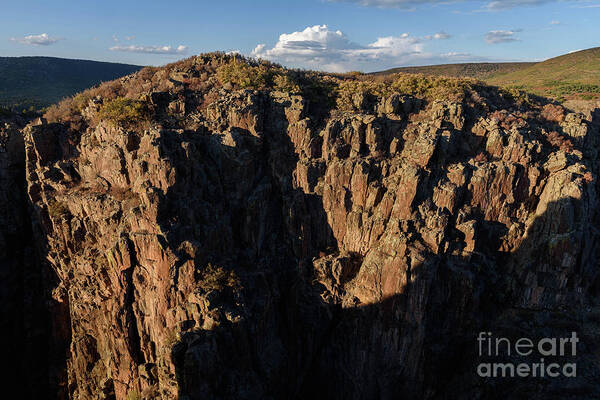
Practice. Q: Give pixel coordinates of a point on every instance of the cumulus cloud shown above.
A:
(151, 49)
(492, 5)
(36, 40)
(319, 47)
(495, 37)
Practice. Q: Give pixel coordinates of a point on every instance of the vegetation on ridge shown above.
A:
(190, 86)
(573, 75)
(124, 112)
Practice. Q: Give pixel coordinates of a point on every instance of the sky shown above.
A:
(330, 35)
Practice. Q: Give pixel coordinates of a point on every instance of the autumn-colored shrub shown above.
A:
(553, 113)
(560, 141)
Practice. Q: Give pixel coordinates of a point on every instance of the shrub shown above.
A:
(57, 209)
(433, 87)
(244, 75)
(216, 278)
(285, 83)
(258, 75)
(560, 141)
(567, 88)
(134, 395)
(418, 85)
(69, 110)
(349, 90)
(517, 94)
(124, 112)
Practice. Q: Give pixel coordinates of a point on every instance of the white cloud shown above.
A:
(456, 55)
(492, 5)
(318, 47)
(151, 49)
(438, 36)
(495, 37)
(116, 39)
(554, 22)
(507, 4)
(36, 40)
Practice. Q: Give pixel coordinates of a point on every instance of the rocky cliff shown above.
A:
(264, 243)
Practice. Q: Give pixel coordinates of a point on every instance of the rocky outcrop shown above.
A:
(248, 249)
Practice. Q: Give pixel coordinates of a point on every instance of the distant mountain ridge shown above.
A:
(465, 70)
(572, 76)
(42, 81)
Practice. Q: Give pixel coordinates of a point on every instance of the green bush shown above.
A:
(284, 83)
(349, 90)
(433, 87)
(244, 75)
(216, 278)
(134, 395)
(124, 112)
(424, 86)
(565, 88)
(517, 94)
(257, 75)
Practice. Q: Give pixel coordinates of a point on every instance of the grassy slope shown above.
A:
(41, 81)
(467, 70)
(571, 75)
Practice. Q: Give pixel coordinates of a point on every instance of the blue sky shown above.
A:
(333, 35)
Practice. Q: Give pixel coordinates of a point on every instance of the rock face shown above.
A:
(261, 252)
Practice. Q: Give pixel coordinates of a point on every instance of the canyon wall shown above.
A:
(259, 251)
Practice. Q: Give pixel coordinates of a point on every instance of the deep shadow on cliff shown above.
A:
(419, 343)
(328, 345)
(34, 361)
